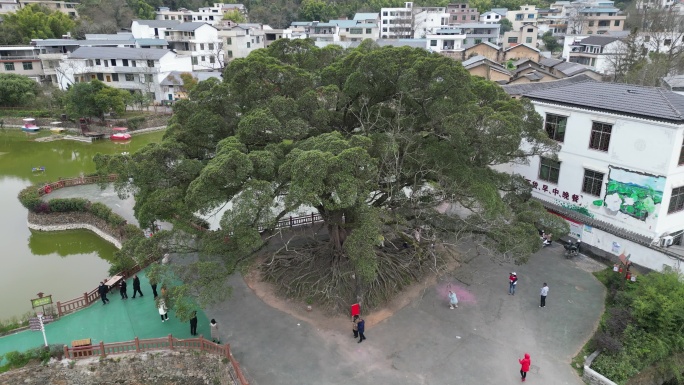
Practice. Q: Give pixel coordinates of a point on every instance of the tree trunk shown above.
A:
(334, 221)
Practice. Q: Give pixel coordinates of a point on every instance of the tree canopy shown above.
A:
(34, 22)
(95, 99)
(372, 139)
(17, 90)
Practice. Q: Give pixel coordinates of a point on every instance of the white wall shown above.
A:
(637, 145)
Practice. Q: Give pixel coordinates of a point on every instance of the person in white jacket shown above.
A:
(163, 311)
(544, 293)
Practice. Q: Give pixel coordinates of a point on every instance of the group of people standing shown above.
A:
(103, 289)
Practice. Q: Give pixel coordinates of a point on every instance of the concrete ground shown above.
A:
(425, 342)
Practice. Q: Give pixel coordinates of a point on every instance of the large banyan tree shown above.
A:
(373, 139)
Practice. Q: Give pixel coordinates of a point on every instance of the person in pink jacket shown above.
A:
(524, 366)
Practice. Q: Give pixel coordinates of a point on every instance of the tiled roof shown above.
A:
(151, 42)
(188, 26)
(523, 45)
(366, 16)
(118, 53)
(626, 99)
(598, 40)
(158, 23)
(521, 89)
(477, 60)
(569, 69)
(550, 62)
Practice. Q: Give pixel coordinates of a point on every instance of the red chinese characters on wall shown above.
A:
(562, 194)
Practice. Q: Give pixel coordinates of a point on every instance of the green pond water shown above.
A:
(66, 263)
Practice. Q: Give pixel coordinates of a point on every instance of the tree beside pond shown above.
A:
(17, 90)
(372, 139)
(95, 99)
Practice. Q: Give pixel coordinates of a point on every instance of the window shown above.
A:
(478, 41)
(212, 60)
(681, 155)
(555, 126)
(100, 77)
(133, 63)
(229, 41)
(27, 65)
(676, 200)
(248, 45)
(667, 42)
(148, 78)
(194, 60)
(115, 77)
(211, 46)
(530, 16)
(356, 31)
(204, 58)
(530, 30)
(113, 62)
(109, 78)
(647, 39)
(433, 43)
(472, 17)
(528, 40)
(89, 63)
(106, 63)
(129, 77)
(617, 23)
(201, 46)
(9, 66)
(98, 62)
(125, 62)
(593, 182)
(591, 23)
(150, 63)
(549, 170)
(512, 39)
(600, 136)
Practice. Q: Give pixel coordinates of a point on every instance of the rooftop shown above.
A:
(598, 40)
(189, 26)
(624, 99)
(158, 23)
(522, 45)
(366, 16)
(522, 89)
(599, 10)
(118, 53)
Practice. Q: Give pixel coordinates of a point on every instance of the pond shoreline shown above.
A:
(73, 221)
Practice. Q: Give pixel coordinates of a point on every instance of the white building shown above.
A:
(490, 17)
(411, 22)
(21, 60)
(151, 29)
(210, 15)
(619, 174)
(598, 52)
(199, 40)
(357, 30)
(240, 40)
(446, 40)
(132, 69)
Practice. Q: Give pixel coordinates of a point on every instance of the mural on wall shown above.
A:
(632, 193)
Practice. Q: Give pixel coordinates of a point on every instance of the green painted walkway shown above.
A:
(119, 320)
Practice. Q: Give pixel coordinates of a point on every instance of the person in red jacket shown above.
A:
(524, 366)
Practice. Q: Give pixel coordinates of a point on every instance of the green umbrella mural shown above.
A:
(633, 193)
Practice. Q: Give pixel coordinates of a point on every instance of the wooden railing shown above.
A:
(168, 343)
(74, 182)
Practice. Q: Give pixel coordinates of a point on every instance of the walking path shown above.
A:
(119, 320)
(423, 343)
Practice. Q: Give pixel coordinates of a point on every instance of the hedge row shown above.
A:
(30, 198)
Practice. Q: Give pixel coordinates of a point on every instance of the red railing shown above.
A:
(152, 344)
(74, 182)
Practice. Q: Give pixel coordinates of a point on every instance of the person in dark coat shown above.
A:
(153, 284)
(193, 324)
(355, 326)
(122, 289)
(136, 286)
(102, 290)
(361, 325)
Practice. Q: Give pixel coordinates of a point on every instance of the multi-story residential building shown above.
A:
(597, 20)
(477, 33)
(619, 175)
(526, 34)
(210, 15)
(173, 86)
(598, 52)
(526, 15)
(461, 13)
(411, 22)
(446, 40)
(240, 40)
(67, 7)
(325, 33)
(132, 69)
(199, 40)
(21, 60)
(490, 17)
(151, 29)
(356, 30)
(273, 34)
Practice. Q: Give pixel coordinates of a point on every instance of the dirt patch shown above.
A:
(320, 319)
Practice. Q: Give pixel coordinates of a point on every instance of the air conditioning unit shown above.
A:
(666, 241)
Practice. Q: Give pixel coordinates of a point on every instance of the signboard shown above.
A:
(34, 323)
(41, 301)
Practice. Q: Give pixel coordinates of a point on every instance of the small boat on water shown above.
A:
(56, 128)
(29, 125)
(120, 134)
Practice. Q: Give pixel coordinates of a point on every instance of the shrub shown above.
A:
(30, 198)
(135, 122)
(68, 205)
(100, 210)
(120, 262)
(17, 359)
(132, 231)
(116, 220)
(43, 208)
